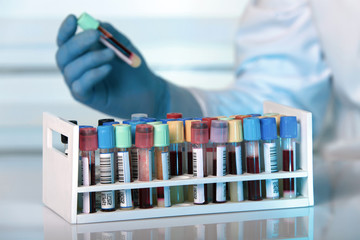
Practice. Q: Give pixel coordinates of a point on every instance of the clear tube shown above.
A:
(176, 169)
(219, 170)
(199, 171)
(210, 156)
(253, 166)
(269, 148)
(289, 165)
(145, 174)
(107, 176)
(235, 167)
(163, 172)
(88, 167)
(124, 173)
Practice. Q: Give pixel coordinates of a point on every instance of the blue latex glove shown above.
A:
(99, 79)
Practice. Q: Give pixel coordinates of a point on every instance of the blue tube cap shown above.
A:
(254, 114)
(148, 119)
(252, 129)
(110, 123)
(164, 121)
(85, 126)
(106, 136)
(288, 127)
(268, 128)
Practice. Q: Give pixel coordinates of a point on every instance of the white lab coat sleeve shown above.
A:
(278, 58)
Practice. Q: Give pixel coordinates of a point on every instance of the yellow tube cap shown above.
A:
(188, 129)
(176, 131)
(235, 131)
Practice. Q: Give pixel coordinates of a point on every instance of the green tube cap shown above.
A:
(85, 21)
(123, 136)
(154, 123)
(161, 135)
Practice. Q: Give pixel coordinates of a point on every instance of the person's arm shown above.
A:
(100, 80)
(278, 59)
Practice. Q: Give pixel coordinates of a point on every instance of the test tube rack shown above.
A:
(60, 178)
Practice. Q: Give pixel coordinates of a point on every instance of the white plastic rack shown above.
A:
(60, 178)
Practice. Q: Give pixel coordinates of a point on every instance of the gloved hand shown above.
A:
(99, 79)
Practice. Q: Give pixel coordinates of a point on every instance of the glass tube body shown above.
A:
(269, 148)
(210, 158)
(163, 172)
(235, 168)
(253, 166)
(199, 171)
(88, 173)
(219, 170)
(107, 176)
(289, 165)
(145, 174)
(176, 169)
(124, 176)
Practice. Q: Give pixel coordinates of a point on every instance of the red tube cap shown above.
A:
(199, 132)
(88, 140)
(174, 115)
(144, 136)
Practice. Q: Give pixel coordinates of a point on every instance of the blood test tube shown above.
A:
(138, 116)
(185, 150)
(235, 159)
(162, 162)
(210, 157)
(106, 143)
(176, 133)
(148, 120)
(219, 137)
(64, 139)
(254, 114)
(252, 137)
(288, 134)
(144, 141)
(88, 144)
(104, 120)
(199, 139)
(269, 149)
(189, 153)
(123, 145)
(174, 115)
(134, 158)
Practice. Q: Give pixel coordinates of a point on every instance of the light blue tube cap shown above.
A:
(251, 127)
(106, 136)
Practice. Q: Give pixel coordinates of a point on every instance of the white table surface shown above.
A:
(336, 214)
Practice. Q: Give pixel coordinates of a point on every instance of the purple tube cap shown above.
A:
(219, 131)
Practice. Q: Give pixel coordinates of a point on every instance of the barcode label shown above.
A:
(125, 196)
(220, 171)
(165, 162)
(107, 200)
(270, 157)
(198, 162)
(124, 167)
(86, 182)
(199, 193)
(240, 191)
(107, 174)
(165, 165)
(238, 161)
(272, 188)
(220, 161)
(134, 163)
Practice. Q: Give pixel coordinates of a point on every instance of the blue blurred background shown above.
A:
(190, 43)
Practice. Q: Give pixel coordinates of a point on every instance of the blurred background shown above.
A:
(190, 43)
